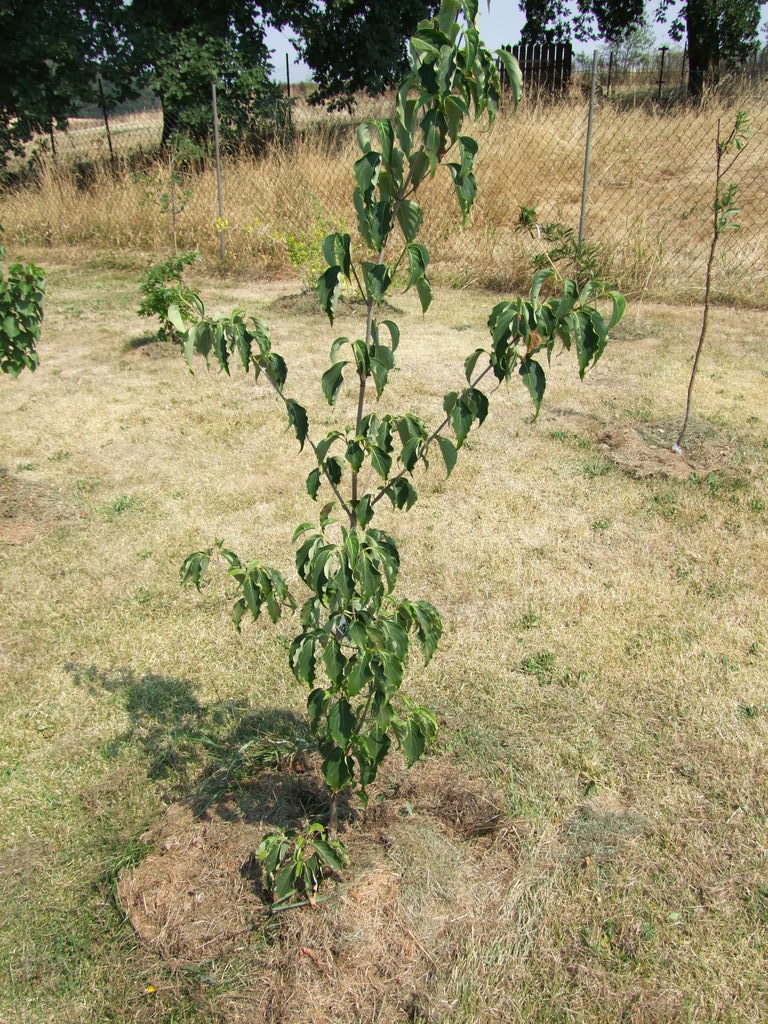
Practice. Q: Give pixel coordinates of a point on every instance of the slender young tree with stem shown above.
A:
(356, 632)
(724, 214)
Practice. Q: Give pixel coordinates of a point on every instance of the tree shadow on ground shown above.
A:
(204, 753)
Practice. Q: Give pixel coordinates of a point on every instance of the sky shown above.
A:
(502, 24)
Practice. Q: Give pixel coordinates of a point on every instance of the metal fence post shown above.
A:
(588, 149)
(103, 100)
(222, 248)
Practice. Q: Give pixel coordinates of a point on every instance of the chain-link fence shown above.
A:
(646, 206)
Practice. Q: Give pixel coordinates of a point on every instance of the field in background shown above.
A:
(603, 667)
(649, 198)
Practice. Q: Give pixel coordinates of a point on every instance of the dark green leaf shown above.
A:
(328, 288)
(449, 453)
(313, 483)
(534, 380)
(297, 417)
(410, 216)
(332, 380)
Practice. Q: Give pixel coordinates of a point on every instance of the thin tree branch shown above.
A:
(428, 441)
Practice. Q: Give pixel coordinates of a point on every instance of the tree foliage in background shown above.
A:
(54, 53)
(251, 107)
(718, 32)
(51, 53)
(357, 46)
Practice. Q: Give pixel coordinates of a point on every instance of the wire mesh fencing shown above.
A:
(113, 181)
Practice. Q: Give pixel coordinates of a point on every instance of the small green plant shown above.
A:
(584, 261)
(295, 862)
(356, 633)
(22, 288)
(304, 244)
(169, 297)
(167, 183)
(725, 214)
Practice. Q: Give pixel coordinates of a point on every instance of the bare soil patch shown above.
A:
(641, 456)
(27, 509)
(429, 857)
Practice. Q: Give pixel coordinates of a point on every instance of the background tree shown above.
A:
(718, 32)
(54, 53)
(51, 53)
(357, 46)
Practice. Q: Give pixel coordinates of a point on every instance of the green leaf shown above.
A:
(302, 658)
(328, 855)
(338, 769)
(175, 317)
(332, 380)
(297, 417)
(354, 455)
(334, 467)
(401, 493)
(412, 742)
(514, 75)
(337, 252)
(363, 511)
(449, 453)
(367, 170)
(394, 332)
(410, 216)
(316, 703)
(378, 279)
(194, 567)
(534, 380)
(619, 306)
(328, 288)
(341, 722)
(539, 278)
(425, 293)
(418, 261)
(313, 483)
(334, 660)
(471, 362)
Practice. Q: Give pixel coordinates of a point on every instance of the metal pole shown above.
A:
(288, 75)
(588, 149)
(222, 249)
(610, 72)
(663, 50)
(106, 121)
(682, 66)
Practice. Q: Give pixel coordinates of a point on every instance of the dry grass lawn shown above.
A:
(604, 669)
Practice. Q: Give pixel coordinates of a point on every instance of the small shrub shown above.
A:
(164, 289)
(295, 862)
(22, 287)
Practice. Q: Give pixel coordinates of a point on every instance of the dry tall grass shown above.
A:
(649, 200)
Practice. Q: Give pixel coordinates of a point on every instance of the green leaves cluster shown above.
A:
(22, 288)
(167, 296)
(453, 78)
(358, 637)
(294, 862)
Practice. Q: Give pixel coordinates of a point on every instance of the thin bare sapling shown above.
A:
(725, 214)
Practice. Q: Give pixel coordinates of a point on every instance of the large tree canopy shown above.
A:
(357, 45)
(53, 53)
(717, 31)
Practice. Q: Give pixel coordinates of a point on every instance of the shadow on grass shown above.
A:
(200, 752)
(150, 344)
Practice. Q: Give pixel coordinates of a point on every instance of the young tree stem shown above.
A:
(677, 447)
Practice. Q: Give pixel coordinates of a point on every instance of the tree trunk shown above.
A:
(703, 48)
